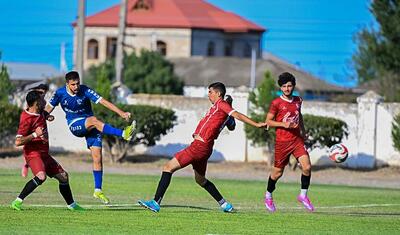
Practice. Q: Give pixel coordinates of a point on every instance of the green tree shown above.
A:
(260, 100)
(147, 73)
(9, 119)
(6, 87)
(378, 54)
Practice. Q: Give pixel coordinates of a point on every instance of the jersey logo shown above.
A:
(79, 101)
(65, 102)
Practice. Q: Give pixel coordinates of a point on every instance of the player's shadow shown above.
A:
(144, 158)
(188, 207)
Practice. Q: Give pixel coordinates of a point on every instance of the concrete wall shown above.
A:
(369, 124)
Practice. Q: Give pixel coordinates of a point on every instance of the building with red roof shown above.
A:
(175, 28)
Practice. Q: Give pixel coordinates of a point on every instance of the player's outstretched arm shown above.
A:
(241, 117)
(112, 107)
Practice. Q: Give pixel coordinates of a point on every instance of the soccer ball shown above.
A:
(338, 153)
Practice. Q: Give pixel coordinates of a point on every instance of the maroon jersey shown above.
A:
(209, 126)
(27, 125)
(286, 111)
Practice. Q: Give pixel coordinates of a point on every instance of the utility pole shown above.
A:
(119, 60)
(81, 38)
(252, 85)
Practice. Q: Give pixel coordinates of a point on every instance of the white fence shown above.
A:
(369, 121)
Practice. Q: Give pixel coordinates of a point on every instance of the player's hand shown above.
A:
(126, 115)
(261, 124)
(39, 131)
(50, 118)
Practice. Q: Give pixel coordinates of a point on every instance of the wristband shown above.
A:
(34, 134)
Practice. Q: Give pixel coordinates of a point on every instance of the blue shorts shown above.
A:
(93, 137)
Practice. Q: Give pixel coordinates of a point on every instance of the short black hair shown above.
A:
(285, 78)
(219, 86)
(73, 75)
(32, 97)
(41, 86)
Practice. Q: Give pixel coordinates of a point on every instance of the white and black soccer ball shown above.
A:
(338, 153)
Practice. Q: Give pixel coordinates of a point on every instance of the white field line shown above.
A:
(115, 206)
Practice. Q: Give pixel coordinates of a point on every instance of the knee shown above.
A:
(201, 181)
(277, 174)
(41, 176)
(307, 169)
(167, 168)
(63, 178)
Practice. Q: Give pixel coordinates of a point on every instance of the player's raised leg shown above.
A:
(169, 168)
(199, 175)
(98, 174)
(277, 172)
(127, 133)
(305, 182)
(30, 186)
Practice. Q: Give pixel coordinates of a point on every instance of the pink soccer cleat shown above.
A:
(306, 202)
(269, 204)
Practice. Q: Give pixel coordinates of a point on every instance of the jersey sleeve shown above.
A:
(226, 108)
(55, 99)
(273, 108)
(92, 95)
(24, 128)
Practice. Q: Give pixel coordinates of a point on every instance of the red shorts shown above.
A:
(197, 154)
(283, 150)
(43, 162)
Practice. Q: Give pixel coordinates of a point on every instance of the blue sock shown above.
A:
(98, 179)
(109, 130)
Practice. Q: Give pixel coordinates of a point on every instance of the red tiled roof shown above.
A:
(174, 14)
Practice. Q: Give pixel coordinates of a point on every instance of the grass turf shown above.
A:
(188, 209)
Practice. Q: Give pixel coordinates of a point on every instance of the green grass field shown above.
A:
(188, 209)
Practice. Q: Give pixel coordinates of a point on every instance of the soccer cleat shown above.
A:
(76, 207)
(227, 207)
(269, 204)
(306, 202)
(151, 205)
(16, 205)
(100, 195)
(129, 131)
(24, 170)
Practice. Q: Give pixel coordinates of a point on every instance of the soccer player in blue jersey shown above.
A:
(75, 100)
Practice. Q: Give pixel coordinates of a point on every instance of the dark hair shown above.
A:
(73, 75)
(285, 78)
(32, 97)
(219, 86)
(41, 86)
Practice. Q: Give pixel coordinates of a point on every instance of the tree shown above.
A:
(396, 132)
(6, 87)
(9, 119)
(147, 73)
(152, 122)
(378, 54)
(151, 73)
(260, 100)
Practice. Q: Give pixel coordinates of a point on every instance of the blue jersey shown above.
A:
(75, 105)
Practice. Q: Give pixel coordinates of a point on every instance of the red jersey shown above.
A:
(286, 111)
(209, 126)
(27, 125)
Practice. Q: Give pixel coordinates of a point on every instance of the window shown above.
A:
(93, 49)
(228, 48)
(211, 49)
(247, 50)
(162, 48)
(111, 48)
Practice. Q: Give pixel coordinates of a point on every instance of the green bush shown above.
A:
(396, 132)
(324, 131)
(9, 121)
(151, 123)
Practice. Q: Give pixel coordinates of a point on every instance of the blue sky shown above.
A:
(316, 35)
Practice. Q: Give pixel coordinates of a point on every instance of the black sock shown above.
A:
(162, 186)
(65, 191)
(271, 185)
(213, 191)
(305, 181)
(29, 187)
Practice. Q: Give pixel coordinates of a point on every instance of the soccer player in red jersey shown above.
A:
(285, 115)
(32, 134)
(198, 152)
